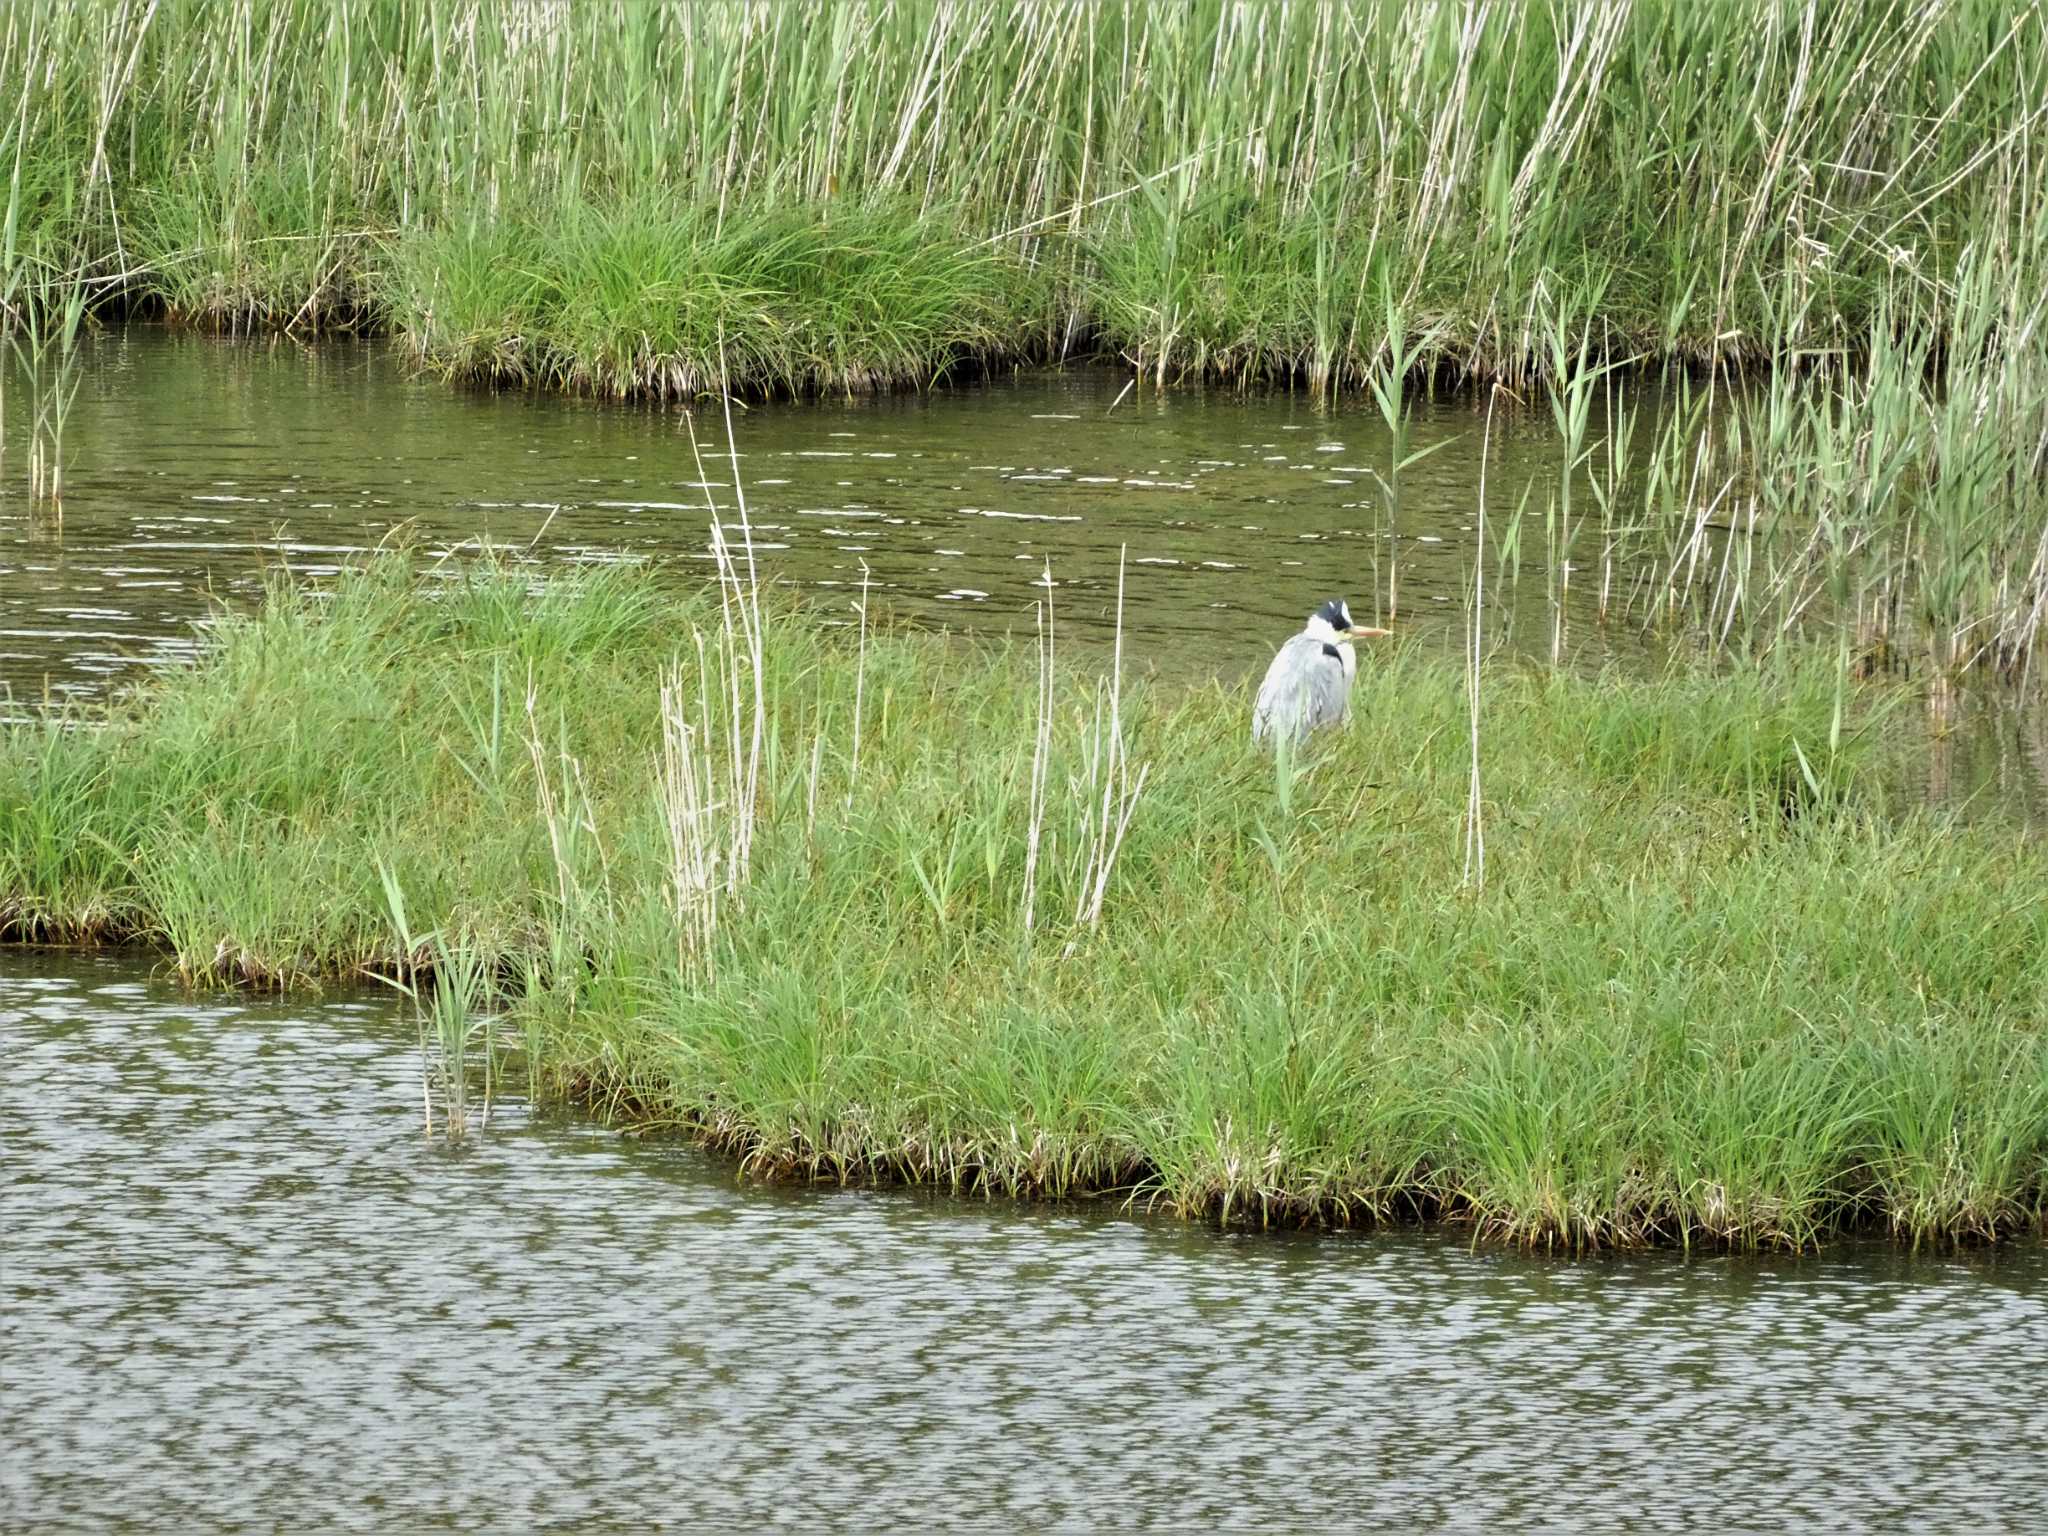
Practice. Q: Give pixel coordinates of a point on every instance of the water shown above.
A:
(241, 1287)
(195, 465)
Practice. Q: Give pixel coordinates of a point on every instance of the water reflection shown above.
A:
(240, 1286)
(195, 465)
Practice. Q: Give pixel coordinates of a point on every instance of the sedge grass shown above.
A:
(1715, 987)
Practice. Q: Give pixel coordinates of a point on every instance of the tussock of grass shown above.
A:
(666, 301)
(1713, 989)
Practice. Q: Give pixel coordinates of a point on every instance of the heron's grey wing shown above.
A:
(1292, 698)
(1328, 693)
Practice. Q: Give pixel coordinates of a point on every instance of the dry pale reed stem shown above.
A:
(748, 605)
(742, 686)
(683, 777)
(811, 780)
(1041, 753)
(1109, 770)
(860, 678)
(543, 788)
(1475, 832)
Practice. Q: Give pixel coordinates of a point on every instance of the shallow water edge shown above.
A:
(255, 1294)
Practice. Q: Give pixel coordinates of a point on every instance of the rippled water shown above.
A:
(196, 464)
(241, 1287)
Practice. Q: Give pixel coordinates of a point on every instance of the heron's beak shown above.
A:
(1366, 632)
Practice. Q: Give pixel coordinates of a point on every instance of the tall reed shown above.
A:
(447, 980)
(1894, 496)
(40, 326)
(582, 193)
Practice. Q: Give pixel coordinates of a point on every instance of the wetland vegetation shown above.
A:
(895, 905)
(1843, 206)
(591, 195)
(1644, 955)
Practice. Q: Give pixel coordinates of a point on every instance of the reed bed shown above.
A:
(524, 188)
(1045, 932)
(1890, 503)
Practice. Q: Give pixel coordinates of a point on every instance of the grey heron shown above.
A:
(1309, 684)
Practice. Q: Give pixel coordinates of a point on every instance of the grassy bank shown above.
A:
(668, 301)
(850, 903)
(1237, 191)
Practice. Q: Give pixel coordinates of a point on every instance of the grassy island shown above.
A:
(855, 903)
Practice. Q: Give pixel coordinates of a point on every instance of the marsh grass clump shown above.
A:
(664, 299)
(1671, 1013)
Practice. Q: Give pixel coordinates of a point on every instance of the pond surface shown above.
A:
(194, 465)
(241, 1287)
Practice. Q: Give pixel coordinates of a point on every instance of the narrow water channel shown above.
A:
(241, 1288)
(196, 465)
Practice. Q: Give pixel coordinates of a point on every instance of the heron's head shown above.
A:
(1333, 621)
